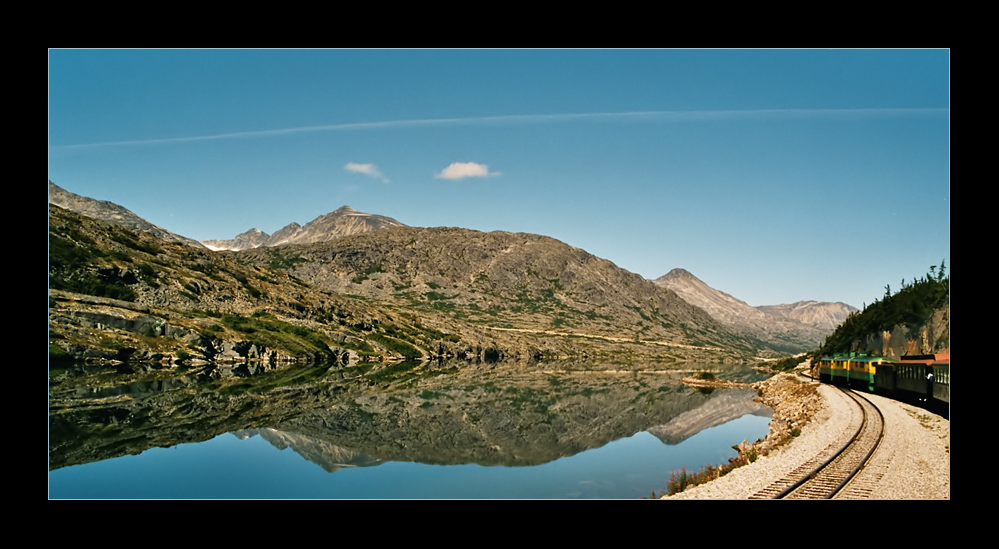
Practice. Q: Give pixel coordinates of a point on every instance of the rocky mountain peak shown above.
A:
(678, 273)
(243, 241)
(343, 221)
(799, 325)
(290, 227)
(680, 277)
(826, 316)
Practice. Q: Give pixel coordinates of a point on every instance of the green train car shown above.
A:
(922, 379)
(854, 370)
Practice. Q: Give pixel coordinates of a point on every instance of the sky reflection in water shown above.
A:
(227, 467)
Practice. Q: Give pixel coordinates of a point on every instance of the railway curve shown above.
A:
(912, 462)
(835, 467)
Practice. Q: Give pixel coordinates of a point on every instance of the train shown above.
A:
(920, 379)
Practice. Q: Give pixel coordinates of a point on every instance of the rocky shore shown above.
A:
(913, 461)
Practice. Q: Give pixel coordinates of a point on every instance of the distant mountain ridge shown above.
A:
(111, 213)
(117, 294)
(343, 221)
(508, 294)
(802, 325)
(820, 314)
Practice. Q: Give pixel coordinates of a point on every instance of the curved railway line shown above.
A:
(829, 474)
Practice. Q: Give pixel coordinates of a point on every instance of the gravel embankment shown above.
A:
(913, 460)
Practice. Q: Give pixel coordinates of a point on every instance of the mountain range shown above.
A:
(508, 281)
(343, 221)
(365, 284)
(112, 213)
(800, 325)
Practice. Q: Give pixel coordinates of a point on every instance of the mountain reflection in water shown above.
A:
(363, 415)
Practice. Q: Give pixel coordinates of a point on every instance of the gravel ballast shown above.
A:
(913, 461)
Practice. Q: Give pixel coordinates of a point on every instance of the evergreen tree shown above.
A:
(911, 306)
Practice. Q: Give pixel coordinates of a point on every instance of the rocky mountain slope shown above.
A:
(112, 213)
(253, 238)
(450, 291)
(915, 320)
(344, 221)
(820, 314)
(796, 327)
(503, 281)
(117, 294)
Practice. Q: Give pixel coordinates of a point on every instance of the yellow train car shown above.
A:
(919, 379)
(855, 370)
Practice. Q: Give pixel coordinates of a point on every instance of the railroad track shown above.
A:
(829, 472)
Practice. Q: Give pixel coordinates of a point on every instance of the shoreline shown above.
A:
(913, 461)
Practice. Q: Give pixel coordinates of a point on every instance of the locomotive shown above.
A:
(922, 379)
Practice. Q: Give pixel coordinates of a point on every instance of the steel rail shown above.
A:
(812, 478)
(842, 467)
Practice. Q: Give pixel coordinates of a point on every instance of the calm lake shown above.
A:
(391, 431)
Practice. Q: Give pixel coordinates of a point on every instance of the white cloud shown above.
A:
(461, 170)
(367, 169)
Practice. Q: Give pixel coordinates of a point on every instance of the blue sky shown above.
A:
(773, 175)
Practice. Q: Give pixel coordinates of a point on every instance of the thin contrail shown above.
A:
(526, 119)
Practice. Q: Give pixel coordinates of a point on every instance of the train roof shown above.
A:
(858, 357)
(938, 358)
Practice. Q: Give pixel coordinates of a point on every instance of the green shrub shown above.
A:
(788, 364)
(58, 354)
(394, 372)
(134, 241)
(363, 275)
(148, 274)
(279, 261)
(395, 345)
(679, 481)
(277, 334)
(106, 284)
